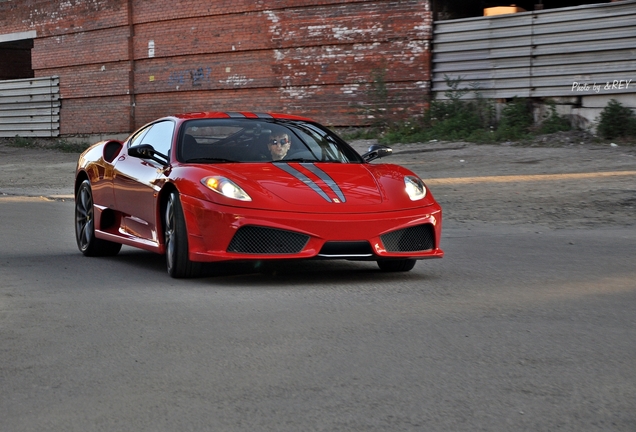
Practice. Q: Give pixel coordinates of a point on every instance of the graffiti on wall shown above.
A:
(196, 77)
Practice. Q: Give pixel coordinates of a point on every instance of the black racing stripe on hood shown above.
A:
(303, 178)
(325, 177)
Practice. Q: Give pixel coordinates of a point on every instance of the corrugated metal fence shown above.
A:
(30, 107)
(550, 53)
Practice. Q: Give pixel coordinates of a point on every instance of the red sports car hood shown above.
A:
(310, 184)
(319, 187)
(308, 187)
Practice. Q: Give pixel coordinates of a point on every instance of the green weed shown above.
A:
(553, 122)
(616, 121)
(19, 141)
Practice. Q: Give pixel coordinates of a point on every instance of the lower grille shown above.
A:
(261, 240)
(346, 248)
(413, 239)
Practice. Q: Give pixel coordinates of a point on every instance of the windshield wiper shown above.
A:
(209, 159)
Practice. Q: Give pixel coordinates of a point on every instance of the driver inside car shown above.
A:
(278, 145)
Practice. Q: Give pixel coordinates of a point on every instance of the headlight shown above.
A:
(226, 187)
(414, 188)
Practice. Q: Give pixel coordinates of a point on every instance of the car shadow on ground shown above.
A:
(136, 264)
(132, 265)
(276, 273)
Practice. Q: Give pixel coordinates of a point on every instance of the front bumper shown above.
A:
(211, 228)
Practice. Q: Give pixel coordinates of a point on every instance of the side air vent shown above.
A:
(261, 240)
(108, 220)
(111, 149)
(414, 239)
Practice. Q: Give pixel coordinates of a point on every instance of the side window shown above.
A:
(159, 136)
(136, 140)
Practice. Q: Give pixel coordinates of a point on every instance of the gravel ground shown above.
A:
(558, 181)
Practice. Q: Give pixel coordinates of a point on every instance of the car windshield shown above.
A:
(261, 140)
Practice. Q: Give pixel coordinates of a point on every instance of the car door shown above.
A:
(137, 181)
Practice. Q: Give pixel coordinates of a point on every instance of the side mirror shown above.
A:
(377, 151)
(146, 151)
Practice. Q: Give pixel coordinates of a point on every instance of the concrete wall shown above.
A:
(123, 63)
(580, 57)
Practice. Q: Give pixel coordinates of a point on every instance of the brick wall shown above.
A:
(321, 59)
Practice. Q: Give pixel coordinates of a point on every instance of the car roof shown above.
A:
(238, 115)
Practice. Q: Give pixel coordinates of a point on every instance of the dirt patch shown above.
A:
(552, 202)
(36, 171)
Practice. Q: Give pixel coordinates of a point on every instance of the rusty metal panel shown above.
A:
(30, 107)
(574, 51)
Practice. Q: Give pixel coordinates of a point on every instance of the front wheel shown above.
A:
(176, 240)
(87, 243)
(398, 265)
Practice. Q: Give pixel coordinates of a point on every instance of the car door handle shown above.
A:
(121, 158)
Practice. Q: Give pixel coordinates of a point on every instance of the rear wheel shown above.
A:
(87, 243)
(398, 265)
(176, 239)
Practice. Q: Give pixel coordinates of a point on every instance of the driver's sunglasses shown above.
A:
(281, 141)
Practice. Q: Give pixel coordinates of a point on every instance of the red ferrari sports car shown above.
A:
(205, 187)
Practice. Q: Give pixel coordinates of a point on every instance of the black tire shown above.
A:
(176, 240)
(398, 265)
(87, 243)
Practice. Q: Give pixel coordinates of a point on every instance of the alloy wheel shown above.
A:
(84, 218)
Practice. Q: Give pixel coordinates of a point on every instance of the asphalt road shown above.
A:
(518, 328)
